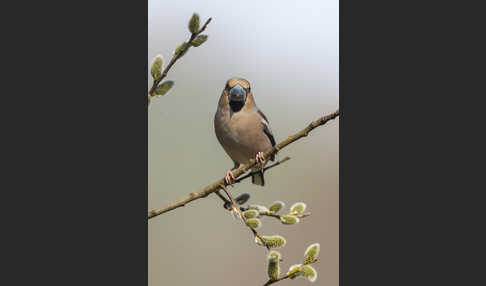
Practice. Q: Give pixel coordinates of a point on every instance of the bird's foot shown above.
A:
(229, 178)
(260, 159)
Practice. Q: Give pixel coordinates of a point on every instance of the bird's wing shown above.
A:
(266, 127)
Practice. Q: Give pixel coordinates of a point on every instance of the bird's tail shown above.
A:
(257, 178)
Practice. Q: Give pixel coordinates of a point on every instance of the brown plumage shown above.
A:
(241, 128)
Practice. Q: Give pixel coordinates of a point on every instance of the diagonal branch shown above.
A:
(238, 209)
(216, 186)
(177, 56)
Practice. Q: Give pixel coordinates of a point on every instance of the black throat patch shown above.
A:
(236, 105)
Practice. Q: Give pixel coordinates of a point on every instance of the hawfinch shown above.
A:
(242, 129)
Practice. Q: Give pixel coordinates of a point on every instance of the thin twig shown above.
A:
(216, 186)
(272, 215)
(225, 200)
(279, 279)
(302, 215)
(264, 169)
(177, 56)
(235, 205)
(269, 282)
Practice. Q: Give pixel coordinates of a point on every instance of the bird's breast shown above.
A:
(241, 135)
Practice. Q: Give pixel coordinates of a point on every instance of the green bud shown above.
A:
(164, 87)
(194, 23)
(148, 99)
(274, 241)
(199, 40)
(276, 206)
(260, 209)
(273, 265)
(156, 69)
(311, 253)
(250, 213)
(242, 198)
(289, 219)
(297, 208)
(179, 48)
(254, 207)
(309, 272)
(294, 271)
(253, 222)
(274, 255)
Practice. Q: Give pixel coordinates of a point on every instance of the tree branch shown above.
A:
(279, 279)
(175, 57)
(235, 205)
(216, 186)
(264, 169)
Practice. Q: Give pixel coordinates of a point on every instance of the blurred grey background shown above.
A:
(288, 50)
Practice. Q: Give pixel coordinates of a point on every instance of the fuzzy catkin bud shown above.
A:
(156, 68)
(274, 241)
(311, 253)
(253, 223)
(276, 206)
(298, 208)
(164, 87)
(294, 270)
(242, 198)
(261, 209)
(199, 40)
(289, 219)
(309, 272)
(194, 23)
(273, 265)
(250, 214)
(179, 48)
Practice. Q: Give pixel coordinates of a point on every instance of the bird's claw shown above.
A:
(260, 159)
(229, 178)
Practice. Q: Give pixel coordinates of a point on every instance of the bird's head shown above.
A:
(237, 90)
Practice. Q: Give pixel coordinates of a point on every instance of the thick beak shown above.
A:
(237, 93)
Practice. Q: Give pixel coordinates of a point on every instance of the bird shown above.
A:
(242, 129)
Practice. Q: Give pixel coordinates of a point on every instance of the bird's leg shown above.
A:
(229, 177)
(260, 159)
